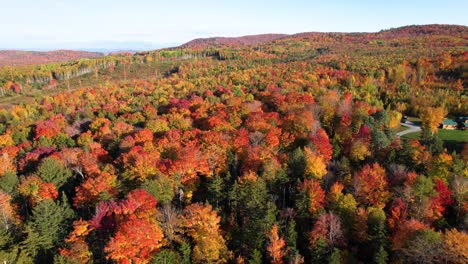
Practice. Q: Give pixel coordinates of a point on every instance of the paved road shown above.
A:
(412, 128)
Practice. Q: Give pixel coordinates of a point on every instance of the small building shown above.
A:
(404, 119)
(449, 124)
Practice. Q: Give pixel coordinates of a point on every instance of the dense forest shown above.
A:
(269, 149)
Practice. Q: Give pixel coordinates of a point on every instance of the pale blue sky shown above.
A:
(140, 24)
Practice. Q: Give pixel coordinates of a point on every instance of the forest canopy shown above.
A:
(275, 150)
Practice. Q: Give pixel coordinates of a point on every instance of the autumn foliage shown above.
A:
(202, 225)
(137, 236)
(371, 186)
(276, 246)
(222, 152)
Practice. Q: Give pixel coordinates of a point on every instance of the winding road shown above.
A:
(411, 128)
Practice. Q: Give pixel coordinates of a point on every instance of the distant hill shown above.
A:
(433, 29)
(234, 41)
(21, 58)
(406, 31)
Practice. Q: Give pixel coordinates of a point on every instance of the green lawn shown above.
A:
(444, 134)
(453, 139)
(400, 129)
(415, 135)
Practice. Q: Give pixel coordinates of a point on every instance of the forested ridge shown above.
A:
(267, 149)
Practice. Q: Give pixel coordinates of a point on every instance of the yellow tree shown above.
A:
(394, 119)
(6, 140)
(431, 117)
(202, 225)
(456, 246)
(315, 164)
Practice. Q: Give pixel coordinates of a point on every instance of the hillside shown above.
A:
(21, 58)
(434, 29)
(264, 149)
(233, 41)
(407, 31)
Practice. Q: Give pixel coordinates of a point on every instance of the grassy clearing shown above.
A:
(444, 134)
(415, 135)
(453, 139)
(400, 129)
(454, 135)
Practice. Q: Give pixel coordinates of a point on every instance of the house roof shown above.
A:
(449, 122)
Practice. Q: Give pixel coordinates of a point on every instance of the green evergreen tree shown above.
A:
(8, 183)
(255, 257)
(7, 246)
(216, 192)
(379, 140)
(186, 252)
(423, 187)
(377, 235)
(63, 141)
(291, 234)
(49, 223)
(165, 256)
(59, 259)
(335, 257)
(302, 202)
(54, 172)
(381, 256)
(319, 252)
(254, 213)
(161, 189)
(297, 163)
